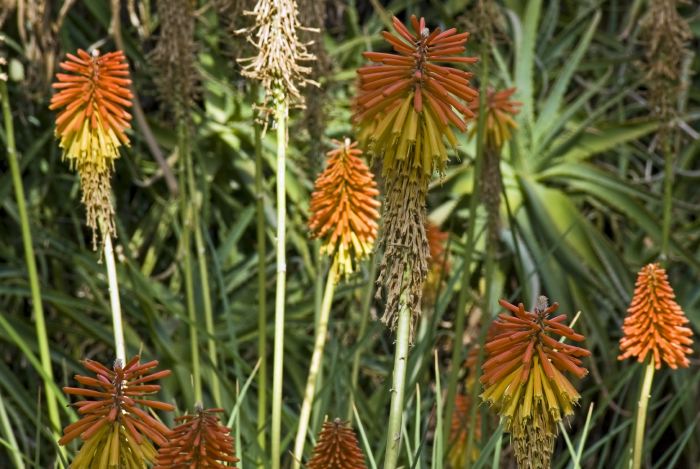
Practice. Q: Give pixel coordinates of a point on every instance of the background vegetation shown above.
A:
(583, 209)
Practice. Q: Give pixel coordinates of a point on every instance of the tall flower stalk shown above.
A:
(93, 97)
(34, 285)
(344, 214)
(523, 377)
(278, 67)
(407, 105)
(175, 57)
(654, 327)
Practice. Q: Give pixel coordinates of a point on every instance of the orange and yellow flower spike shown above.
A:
(500, 110)
(200, 440)
(344, 207)
(655, 323)
(337, 448)
(410, 100)
(524, 377)
(93, 97)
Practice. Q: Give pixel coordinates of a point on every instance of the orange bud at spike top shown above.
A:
(655, 322)
(524, 377)
(199, 441)
(499, 120)
(92, 97)
(344, 208)
(337, 448)
(408, 101)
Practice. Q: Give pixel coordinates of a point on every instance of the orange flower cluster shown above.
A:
(115, 430)
(337, 448)
(344, 207)
(408, 102)
(199, 441)
(459, 433)
(439, 260)
(655, 322)
(499, 121)
(91, 125)
(523, 376)
(92, 97)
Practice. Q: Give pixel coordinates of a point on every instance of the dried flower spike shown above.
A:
(337, 448)
(655, 322)
(93, 97)
(408, 102)
(280, 53)
(175, 56)
(344, 208)
(200, 441)
(500, 110)
(523, 377)
(115, 430)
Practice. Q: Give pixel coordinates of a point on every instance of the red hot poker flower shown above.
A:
(500, 110)
(337, 448)
(93, 97)
(409, 100)
(114, 421)
(655, 322)
(200, 441)
(344, 208)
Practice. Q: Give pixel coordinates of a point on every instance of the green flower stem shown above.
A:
(456, 362)
(117, 323)
(262, 292)
(366, 305)
(186, 209)
(9, 435)
(315, 365)
(668, 193)
(641, 417)
(39, 319)
(393, 442)
(195, 201)
(278, 353)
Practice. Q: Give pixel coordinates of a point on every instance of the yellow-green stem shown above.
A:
(113, 284)
(278, 353)
(366, 304)
(315, 366)
(37, 305)
(195, 202)
(668, 192)
(641, 417)
(262, 295)
(187, 222)
(393, 442)
(456, 362)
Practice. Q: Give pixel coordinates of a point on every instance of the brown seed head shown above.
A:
(337, 448)
(655, 322)
(280, 53)
(200, 441)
